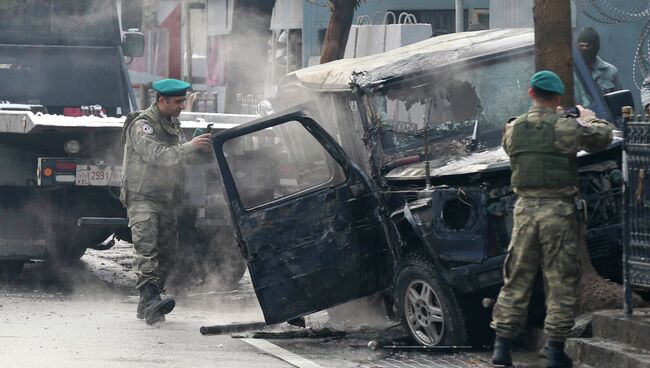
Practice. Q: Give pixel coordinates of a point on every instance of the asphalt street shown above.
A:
(83, 315)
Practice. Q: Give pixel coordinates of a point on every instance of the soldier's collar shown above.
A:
(536, 108)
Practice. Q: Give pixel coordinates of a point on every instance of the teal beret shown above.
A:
(171, 87)
(547, 81)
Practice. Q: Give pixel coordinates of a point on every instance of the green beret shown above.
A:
(547, 81)
(171, 87)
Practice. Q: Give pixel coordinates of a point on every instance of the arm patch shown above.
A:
(146, 129)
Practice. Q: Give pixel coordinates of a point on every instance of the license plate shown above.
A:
(98, 175)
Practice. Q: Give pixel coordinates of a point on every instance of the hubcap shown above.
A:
(424, 313)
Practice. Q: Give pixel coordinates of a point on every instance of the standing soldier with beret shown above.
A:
(154, 152)
(543, 148)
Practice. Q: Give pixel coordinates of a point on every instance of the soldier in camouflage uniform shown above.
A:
(154, 151)
(542, 146)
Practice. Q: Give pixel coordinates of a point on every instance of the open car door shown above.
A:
(305, 216)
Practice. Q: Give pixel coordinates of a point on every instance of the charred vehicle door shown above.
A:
(306, 217)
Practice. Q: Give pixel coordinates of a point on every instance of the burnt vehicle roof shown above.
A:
(424, 56)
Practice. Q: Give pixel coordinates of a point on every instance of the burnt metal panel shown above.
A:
(322, 249)
(455, 224)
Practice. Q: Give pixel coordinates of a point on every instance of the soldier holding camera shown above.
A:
(543, 147)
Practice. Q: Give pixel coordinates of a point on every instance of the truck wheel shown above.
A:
(10, 269)
(426, 305)
(71, 246)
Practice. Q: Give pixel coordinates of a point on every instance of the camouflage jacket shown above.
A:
(154, 151)
(570, 137)
(606, 76)
(645, 93)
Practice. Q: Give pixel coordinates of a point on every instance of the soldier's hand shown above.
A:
(586, 114)
(202, 143)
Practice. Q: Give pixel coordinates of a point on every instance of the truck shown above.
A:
(387, 176)
(66, 91)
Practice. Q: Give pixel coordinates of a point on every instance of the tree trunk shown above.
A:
(553, 45)
(553, 42)
(338, 30)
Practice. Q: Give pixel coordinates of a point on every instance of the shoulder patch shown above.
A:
(146, 129)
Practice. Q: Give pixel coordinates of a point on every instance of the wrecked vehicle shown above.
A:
(356, 202)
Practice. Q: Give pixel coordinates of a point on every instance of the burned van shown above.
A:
(386, 173)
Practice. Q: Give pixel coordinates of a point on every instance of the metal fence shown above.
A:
(59, 22)
(637, 206)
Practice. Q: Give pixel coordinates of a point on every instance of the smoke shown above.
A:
(247, 48)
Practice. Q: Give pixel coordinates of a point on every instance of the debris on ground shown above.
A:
(308, 333)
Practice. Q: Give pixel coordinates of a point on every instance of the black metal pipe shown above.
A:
(230, 328)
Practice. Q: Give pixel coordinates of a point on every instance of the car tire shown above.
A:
(426, 305)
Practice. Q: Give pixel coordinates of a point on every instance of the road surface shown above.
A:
(83, 315)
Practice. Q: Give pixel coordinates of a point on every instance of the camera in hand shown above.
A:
(571, 112)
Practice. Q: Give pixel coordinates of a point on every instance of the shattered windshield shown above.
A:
(463, 110)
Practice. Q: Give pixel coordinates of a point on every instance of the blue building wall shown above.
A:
(317, 17)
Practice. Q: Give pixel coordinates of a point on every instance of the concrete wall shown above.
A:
(511, 13)
(316, 17)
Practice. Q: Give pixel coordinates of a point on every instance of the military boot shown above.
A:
(154, 307)
(501, 356)
(140, 312)
(555, 356)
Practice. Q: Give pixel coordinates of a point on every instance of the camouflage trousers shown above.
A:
(545, 234)
(154, 231)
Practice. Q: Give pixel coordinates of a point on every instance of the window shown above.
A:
(453, 104)
(277, 162)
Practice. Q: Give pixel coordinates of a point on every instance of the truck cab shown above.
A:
(390, 177)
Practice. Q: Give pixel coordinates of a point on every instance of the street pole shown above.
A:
(553, 42)
(460, 16)
(188, 41)
(627, 289)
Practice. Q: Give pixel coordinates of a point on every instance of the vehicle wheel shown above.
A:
(10, 269)
(426, 305)
(71, 245)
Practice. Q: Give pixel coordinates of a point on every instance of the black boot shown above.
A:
(555, 356)
(501, 355)
(152, 306)
(140, 312)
